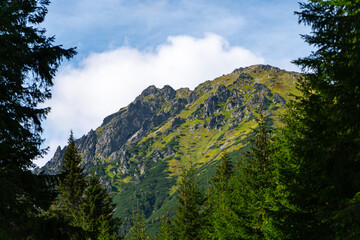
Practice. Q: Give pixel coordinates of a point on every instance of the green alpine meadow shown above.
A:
(257, 153)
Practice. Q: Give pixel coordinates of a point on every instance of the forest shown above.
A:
(297, 181)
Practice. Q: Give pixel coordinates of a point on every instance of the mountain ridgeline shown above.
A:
(139, 151)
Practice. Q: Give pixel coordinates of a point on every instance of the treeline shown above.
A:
(299, 181)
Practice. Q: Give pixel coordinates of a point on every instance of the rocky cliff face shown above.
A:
(130, 124)
(138, 152)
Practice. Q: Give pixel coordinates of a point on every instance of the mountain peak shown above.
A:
(149, 91)
(256, 69)
(153, 90)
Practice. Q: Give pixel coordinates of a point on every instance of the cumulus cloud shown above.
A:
(105, 82)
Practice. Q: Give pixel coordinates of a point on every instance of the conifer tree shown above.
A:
(257, 181)
(28, 63)
(320, 145)
(105, 232)
(72, 185)
(138, 229)
(189, 220)
(251, 190)
(223, 173)
(97, 212)
(166, 229)
(220, 200)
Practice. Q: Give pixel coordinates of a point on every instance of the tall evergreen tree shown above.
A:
(28, 63)
(220, 200)
(223, 173)
(72, 185)
(166, 229)
(254, 185)
(320, 144)
(138, 229)
(189, 220)
(97, 212)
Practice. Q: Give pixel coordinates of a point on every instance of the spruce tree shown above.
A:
(252, 188)
(256, 177)
(28, 63)
(243, 200)
(220, 200)
(319, 161)
(72, 185)
(97, 212)
(166, 229)
(189, 221)
(223, 173)
(138, 229)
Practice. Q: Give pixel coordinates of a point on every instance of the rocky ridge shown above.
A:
(152, 108)
(156, 106)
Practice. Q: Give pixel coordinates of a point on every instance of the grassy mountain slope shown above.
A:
(139, 151)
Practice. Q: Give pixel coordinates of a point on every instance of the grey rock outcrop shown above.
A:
(216, 122)
(176, 122)
(277, 99)
(243, 79)
(263, 89)
(212, 103)
(238, 114)
(266, 68)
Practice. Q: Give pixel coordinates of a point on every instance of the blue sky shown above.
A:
(265, 26)
(126, 45)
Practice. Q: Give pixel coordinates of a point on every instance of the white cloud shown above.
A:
(105, 82)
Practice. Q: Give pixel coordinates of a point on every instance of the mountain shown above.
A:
(139, 151)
